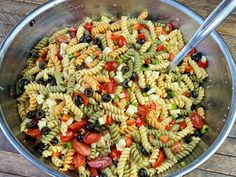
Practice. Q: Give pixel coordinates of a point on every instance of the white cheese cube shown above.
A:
(130, 83)
(63, 48)
(112, 96)
(162, 38)
(121, 145)
(204, 59)
(177, 111)
(119, 78)
(64, 128)
(149, 92)
(40, 99)
(42, 123)
(155, 75)
(122, 95)
(51, 103)
(101, 142)
(120, 67)
(131, 110)
(132, 58)
(153, 97)
(70, 121)
(102, 120)
(107, 51)
(88, 60)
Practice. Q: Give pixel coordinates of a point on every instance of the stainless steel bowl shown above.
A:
(220, 92)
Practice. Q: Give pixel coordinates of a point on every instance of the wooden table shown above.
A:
(220, 164)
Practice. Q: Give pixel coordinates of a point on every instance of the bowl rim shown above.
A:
(196, 163)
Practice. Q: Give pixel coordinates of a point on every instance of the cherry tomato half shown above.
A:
(140, 36)
(111, 66)
(197, 120)
(69, 135)
(203, 64)
(160, 47)
(115, 154)
(160, 159)
(34, 132)
(182, 125)
(78, 160)
(139, 122)
(143, 110)
(122, 41)
(172, 56)
(91, 137)
(88, 26)
(78, 125)
(113, 37)
(93, 172)
(138, 26)
(100, 162)
(176, 147)
(110, 87)
(81, 148)
(192, 51)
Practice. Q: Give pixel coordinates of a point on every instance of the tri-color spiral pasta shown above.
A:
(99, 96)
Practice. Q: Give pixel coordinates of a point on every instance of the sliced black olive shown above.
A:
(89, 126)
(31, 124)
(88, 92)
(43, 146)
(22, 83)
(78, 100)
(193, 107)
(98, 42)
(97, 129)
(125, 83)
(54, 141)
(31, 114)
(124, 69)
(35, 54)
(196, 57)
(141, 41)
(82, 39)
(32, 22)
(115, 162)
(193, 94)
(106, 97)
(80, 67)
(102, 175)
(142, 173)
(198, 133)
(39, 114)
(80, 137)
(187, 139)
(43, 65)
(147, 88)
(180, 117)
(88, 39)
(41, 81)
(144, 152)
(133, 76)
(45, 130)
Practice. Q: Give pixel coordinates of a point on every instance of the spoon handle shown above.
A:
(223, 10)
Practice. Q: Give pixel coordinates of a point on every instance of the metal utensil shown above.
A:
(223, 10)
(53, 15)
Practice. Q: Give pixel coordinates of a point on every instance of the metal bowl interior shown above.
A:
(220, 88)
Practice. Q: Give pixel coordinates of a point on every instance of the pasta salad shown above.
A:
(98, 99)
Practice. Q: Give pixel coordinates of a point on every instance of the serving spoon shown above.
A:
(223, 10)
